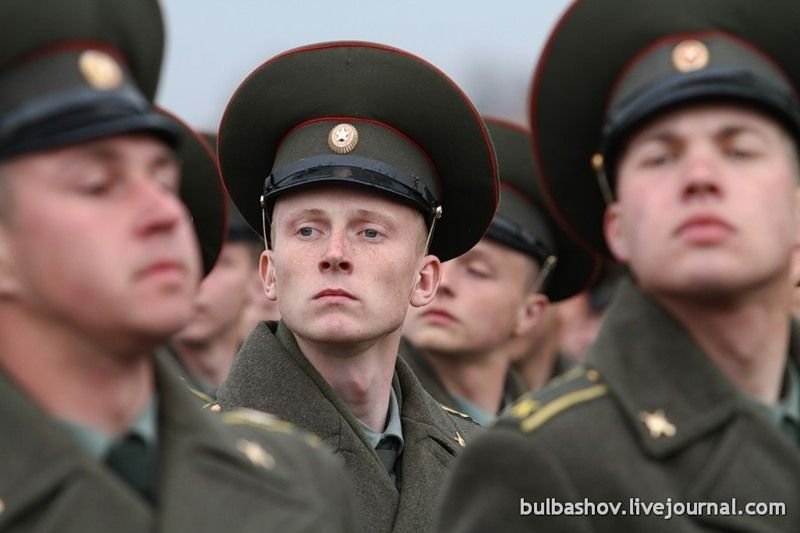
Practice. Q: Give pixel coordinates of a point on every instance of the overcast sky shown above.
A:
(488, 48)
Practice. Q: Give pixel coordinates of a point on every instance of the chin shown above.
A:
(165, 320)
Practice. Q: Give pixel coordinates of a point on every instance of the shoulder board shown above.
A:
(457, 413)
(250, 417)
(207, 399)
(575, 387)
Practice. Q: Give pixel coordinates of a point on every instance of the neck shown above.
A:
(535, 363)
(748, 339)
(479, 380)
(210, 359)
(360, 374)
(72, 377)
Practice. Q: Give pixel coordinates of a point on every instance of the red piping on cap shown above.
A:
(70, 46)
(376, 46)
(534, 91)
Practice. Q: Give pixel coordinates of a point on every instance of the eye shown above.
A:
(741, 151)
(371, 233)
(306, 231)
(97, 183)
(657, 159)
(478, 272)
(168, 177)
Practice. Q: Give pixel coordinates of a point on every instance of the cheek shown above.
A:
(489, 307)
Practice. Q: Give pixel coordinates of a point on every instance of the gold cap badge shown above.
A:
(343, 138)
(100, 70)
(690, 55)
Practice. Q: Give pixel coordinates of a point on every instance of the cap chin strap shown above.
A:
(599, 165)
(437, 214)
(264, 222)
(544, 273)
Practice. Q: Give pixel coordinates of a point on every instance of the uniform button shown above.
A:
(2, 506)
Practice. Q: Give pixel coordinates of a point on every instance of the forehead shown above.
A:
(342, 199)
(497, 254)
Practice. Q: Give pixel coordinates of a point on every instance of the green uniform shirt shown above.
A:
(785, 414)
(388, 444)
(97, 443)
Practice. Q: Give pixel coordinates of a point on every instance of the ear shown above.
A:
(266, 271)
(614, 232)
(530, 312)
(428, 279)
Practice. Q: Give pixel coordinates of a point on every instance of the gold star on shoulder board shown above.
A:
(459, 439)
(657, 424)
(256, 454)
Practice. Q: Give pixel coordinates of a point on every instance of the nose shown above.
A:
(336, 257)
(702, 179)
(161, 211)
(447, 284)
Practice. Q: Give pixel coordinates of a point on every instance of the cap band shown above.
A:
(72, 96)
(687, 70)
(351, 169)
(508, 232)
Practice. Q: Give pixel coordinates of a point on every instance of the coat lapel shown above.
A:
(271, 375)
(431, 445)
(205, 474)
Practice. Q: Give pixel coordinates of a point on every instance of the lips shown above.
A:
(334, 294)
(438, 315)
(704, 228)
(162, 267)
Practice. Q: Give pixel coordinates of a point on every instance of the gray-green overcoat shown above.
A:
(269, 377)
(233, 473)
(649, 417)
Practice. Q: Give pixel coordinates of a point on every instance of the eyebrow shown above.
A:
(111, 154)
(727, 131)
(374, 215)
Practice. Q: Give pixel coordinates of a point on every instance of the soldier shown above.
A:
(206, 346)
(99, 263)
(459, 344)
(371, 166)
(685, 415)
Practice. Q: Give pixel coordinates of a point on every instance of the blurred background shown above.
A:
(488, 48)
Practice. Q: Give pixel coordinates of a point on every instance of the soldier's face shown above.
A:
(224, 293)
(480, 303)
(345, 265)
(97, 241)
(707, 203)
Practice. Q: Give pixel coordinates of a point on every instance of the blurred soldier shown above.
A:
(687, 411)
(582, 314)
(206, 346)
(377, 166)
(536, 357)
(495, 292)
(99, 264)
